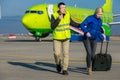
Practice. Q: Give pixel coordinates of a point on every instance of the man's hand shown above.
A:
(104, 38)
(60, 16)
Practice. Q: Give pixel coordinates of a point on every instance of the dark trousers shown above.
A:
(90, 46)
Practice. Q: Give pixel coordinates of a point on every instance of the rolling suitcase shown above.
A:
(102, 61)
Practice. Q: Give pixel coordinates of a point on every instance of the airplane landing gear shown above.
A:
(37, 39)
(39, 35)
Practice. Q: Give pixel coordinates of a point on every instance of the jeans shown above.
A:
(90, 46)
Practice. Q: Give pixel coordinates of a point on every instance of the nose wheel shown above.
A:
(37, 38)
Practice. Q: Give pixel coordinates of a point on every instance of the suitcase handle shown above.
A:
(106, 47)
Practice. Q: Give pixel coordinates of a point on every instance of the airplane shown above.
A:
(37, 18)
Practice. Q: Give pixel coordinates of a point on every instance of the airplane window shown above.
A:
(32, 11)
(40, 12)
(27, 12)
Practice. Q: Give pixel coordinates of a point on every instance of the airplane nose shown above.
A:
(26, 21)
(33, 21)
(30, 21)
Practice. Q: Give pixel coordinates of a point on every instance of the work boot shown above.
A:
(65, 72)
(89, 71)
(58, 67)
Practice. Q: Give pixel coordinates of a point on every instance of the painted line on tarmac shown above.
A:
(34, 61)
(39, 58)
(50, 61)
(33, 57)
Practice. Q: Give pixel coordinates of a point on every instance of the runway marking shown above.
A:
(39, 58)
(50, 61)
(33, 57)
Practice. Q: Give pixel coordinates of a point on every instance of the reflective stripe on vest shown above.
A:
(62, 25)
(62, 29)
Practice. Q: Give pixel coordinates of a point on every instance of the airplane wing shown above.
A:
(114, 23)
(116, 15)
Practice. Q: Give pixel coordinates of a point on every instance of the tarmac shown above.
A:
(25, 59)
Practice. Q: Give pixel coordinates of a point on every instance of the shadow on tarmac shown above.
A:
(43, 66)
(78, 70)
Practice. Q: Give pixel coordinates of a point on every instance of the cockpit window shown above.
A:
(33, 11)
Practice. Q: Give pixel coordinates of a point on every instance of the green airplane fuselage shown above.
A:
(37, 21)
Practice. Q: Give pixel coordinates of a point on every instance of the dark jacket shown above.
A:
(93, 25)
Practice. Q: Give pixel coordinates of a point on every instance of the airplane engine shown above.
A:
(106, 29)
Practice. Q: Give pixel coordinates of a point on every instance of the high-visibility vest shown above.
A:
(62, 31)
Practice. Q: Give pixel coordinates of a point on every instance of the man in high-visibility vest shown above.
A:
(60, 23)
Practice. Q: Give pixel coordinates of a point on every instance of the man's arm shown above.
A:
(54, 22)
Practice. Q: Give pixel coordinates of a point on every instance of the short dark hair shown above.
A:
(61, 3)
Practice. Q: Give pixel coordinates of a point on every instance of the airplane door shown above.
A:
(50, 10)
